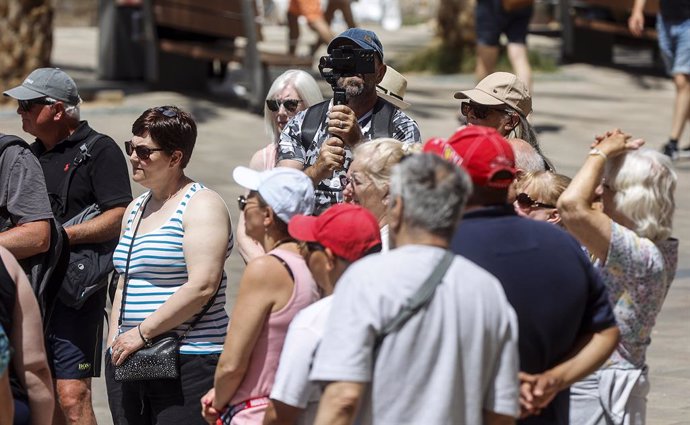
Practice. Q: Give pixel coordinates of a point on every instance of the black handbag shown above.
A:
(160, 358)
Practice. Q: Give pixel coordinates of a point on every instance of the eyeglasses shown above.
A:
(241, 202)
(289, 104)
(143, 152)
(480, 111)
(526, 202)
(25, 105)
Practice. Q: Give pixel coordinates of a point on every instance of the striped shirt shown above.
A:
(157, 269)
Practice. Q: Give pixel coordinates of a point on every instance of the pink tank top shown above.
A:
(263, 364)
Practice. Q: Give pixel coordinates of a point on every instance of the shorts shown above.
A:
(163, 401)
(674, 43)
(310, 9)
(75, 338)
(491, 21)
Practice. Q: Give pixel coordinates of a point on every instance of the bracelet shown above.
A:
(599, 152)
(147, 342)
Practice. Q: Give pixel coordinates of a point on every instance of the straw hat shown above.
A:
(392, 88)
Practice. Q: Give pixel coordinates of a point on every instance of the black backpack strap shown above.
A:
(83, 156)
(313, 117)
(382, 119)
(7, 140)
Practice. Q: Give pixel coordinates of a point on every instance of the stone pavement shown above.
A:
(571, 106)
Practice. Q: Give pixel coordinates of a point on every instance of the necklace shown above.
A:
(281, 242)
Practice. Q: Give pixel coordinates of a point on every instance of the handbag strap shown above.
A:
(126, 277)
(419, 299)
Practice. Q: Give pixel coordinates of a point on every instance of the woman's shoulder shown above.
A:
(201, 198)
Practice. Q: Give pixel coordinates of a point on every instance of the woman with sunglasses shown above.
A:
(368, 177)
(175, 240)
(631, 241)
(273, 289)
(293, 91)
(537, 195)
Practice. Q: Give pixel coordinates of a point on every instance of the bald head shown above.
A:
(527, 159)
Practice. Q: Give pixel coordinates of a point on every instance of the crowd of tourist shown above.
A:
(387, 280)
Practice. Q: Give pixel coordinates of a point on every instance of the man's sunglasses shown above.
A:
(25, 105)
(526, 202)
(289, 104)
(480, 111)
(143, 152)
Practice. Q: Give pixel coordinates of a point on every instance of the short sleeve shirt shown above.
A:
(23, 196)
(102, 180)
(330, 190)
(638, 274)
(450, 361)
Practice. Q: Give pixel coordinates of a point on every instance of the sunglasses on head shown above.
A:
(143, 152)
(525, 201)
(289, 104)
(25, 105)
(480, 111)
(168, 112)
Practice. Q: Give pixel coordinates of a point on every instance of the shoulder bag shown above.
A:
(159, 359)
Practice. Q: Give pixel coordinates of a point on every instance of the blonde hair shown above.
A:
(378, 158)
(546, 186)
(644, 184)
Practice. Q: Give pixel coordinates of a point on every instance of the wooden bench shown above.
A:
(189, 34)
(590, 28)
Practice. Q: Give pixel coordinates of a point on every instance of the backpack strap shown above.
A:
(7, 140)
(313, 117)
(83, 156)
(382, 119)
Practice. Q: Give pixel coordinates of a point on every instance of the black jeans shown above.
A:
(164, 401)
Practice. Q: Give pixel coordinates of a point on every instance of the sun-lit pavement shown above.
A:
(570, 107)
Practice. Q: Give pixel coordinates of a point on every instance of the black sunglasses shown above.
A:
(143, 152)
(241, 202)
(480, 111)
(289, 104)
(525, 201)
(25, 105)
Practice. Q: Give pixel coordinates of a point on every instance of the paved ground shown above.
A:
(570, 107)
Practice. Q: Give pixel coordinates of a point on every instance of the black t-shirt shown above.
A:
(102, 179)
(674, 11)
(556, 293)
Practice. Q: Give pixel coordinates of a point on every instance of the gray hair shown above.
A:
(644, 184)
(525, 131)
(73, 112)
(527, 159)
(433, 191)
(306, 87)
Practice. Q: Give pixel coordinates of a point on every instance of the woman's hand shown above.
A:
(615, 143)
(210, 414)
(124, 345)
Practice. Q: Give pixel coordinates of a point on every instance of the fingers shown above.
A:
(332, 154)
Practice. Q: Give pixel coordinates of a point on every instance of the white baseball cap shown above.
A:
(286, 190)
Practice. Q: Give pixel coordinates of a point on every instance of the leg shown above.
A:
(321, 28)
(330, 11)
(486, 60)
(346, 9)
(293, 33)
(74, 398)
(681, 107)
(517, 54)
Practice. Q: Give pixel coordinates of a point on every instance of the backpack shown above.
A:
(45, 271)
(382, 121)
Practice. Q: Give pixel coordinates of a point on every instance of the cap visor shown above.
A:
(394, 100)
(478, 96)
(246, 177)
(22, 93)
(301, 227)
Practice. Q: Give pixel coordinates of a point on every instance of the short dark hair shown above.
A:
(169, 126)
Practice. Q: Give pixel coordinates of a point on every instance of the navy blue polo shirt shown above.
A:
(103, 179)
(556, 293)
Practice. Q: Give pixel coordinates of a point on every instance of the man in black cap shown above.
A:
(320, 140)
(84, 170)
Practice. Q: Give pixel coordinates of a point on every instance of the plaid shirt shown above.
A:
(329, 191)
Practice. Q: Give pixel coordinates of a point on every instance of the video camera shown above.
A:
(346, 61)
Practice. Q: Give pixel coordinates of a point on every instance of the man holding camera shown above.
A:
(320, 140)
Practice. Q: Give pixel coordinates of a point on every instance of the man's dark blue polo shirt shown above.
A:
(556, 293)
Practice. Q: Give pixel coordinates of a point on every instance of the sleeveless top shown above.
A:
(263, 364)
(157, 269)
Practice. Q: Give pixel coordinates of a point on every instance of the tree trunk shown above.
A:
(26, 39)
(456, 31)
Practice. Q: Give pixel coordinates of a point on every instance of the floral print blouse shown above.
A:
(638, 274)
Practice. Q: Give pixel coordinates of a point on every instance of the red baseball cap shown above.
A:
(440, 147)
(486, 155)
(348, 230)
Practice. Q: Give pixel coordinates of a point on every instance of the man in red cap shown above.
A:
(559, 298)
(332, 241)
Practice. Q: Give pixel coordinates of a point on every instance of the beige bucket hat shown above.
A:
(500, 88)
(392, 88)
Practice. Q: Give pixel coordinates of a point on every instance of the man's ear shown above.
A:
(554, 217)
(330, 264)
(59, 111)
(380, 72)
